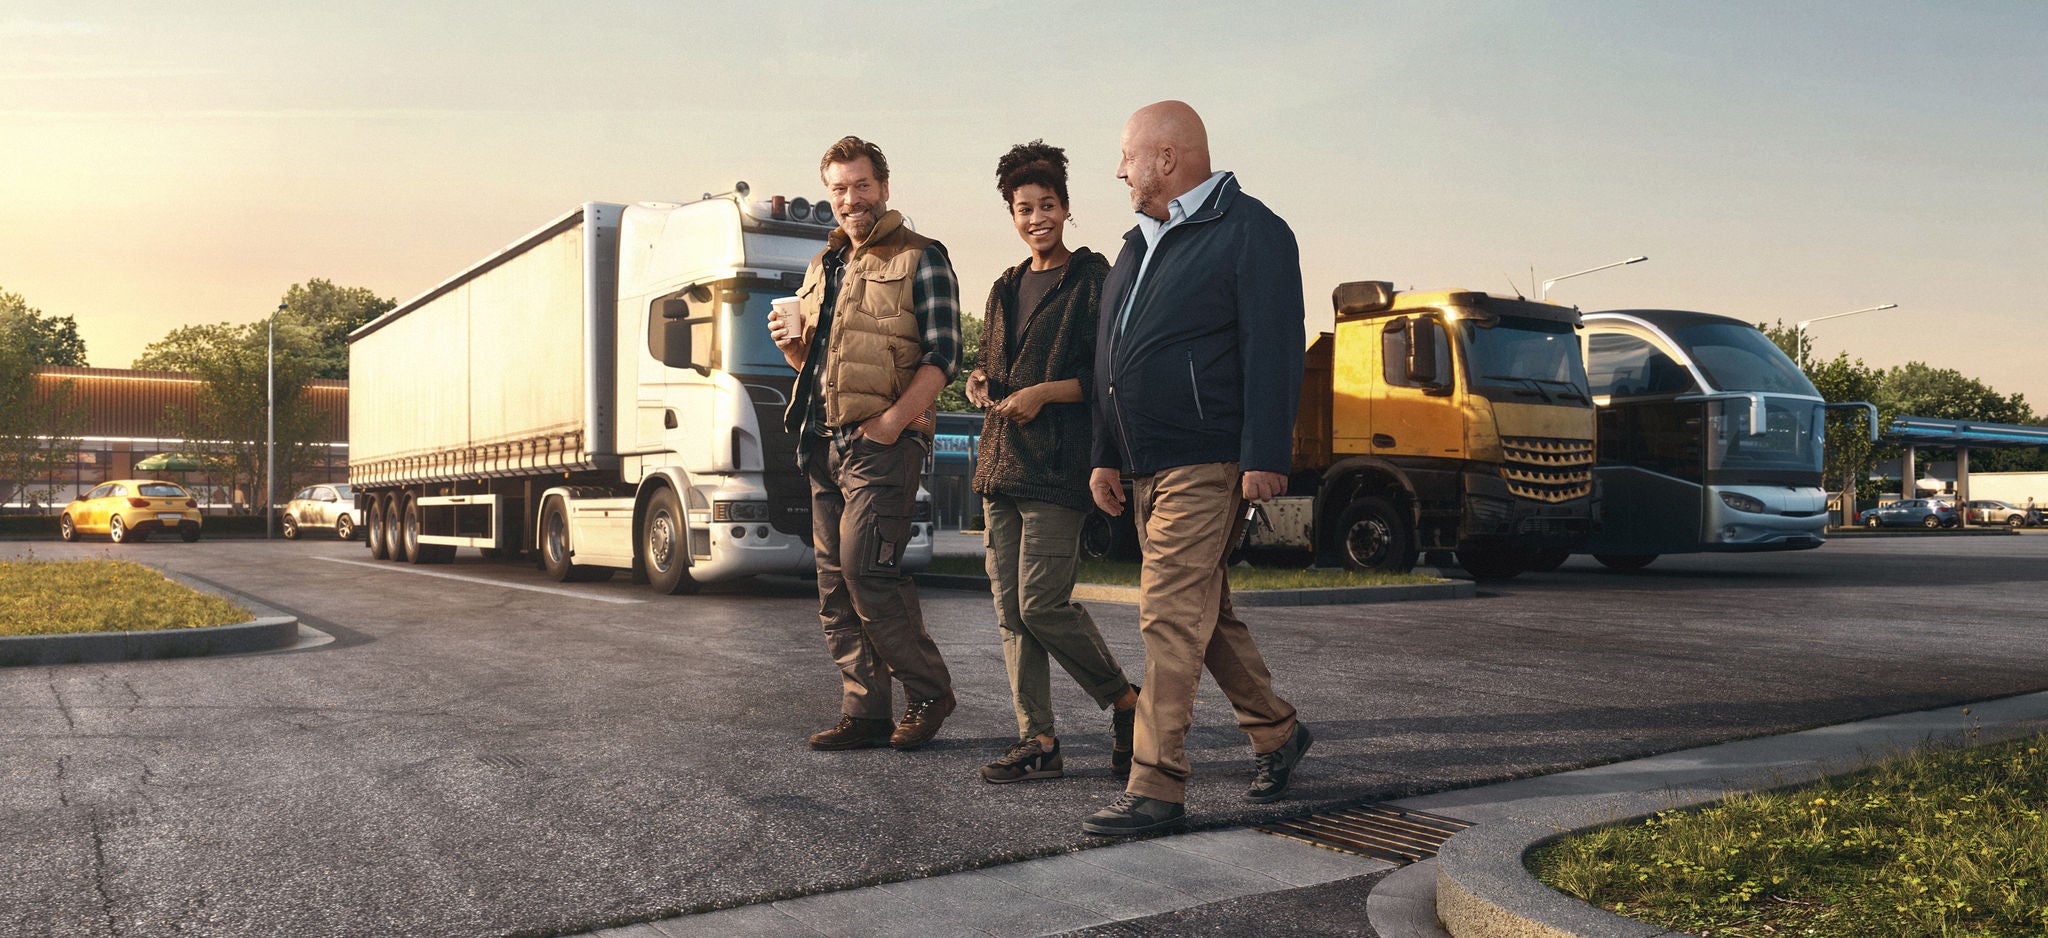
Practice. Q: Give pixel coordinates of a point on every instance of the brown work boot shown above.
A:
(921, 721)
(853, 733)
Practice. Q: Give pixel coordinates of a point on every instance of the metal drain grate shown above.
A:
(1380, 831)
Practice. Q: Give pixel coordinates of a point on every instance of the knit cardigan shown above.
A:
(1048, 458)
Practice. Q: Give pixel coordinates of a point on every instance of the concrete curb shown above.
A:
(1484, 889)
(1343, 595)
(262, 634)
(270, 630)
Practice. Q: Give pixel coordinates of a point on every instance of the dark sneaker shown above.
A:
(853, 733)
(1276, 768)
(1123, 726)
(1025, 761)
(1134, 814)
(921, 721)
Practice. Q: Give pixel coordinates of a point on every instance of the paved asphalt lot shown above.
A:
(474, 758)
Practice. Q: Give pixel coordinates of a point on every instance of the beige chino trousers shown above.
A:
(1184, 517)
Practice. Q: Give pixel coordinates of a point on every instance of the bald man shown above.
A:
(1198, 367)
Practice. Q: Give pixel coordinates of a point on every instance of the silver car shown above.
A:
(1993, 511)
(321, 507)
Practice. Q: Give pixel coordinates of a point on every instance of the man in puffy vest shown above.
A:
(877, 338)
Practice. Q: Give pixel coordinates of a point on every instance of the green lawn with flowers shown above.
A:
(39, 597)
(1943, 841)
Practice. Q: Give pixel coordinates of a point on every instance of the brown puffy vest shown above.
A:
(876, 343)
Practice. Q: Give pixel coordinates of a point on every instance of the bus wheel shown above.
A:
(1546, 560)
(1372, 535)
(665, 546)
(1625, 561)
(1490, 561)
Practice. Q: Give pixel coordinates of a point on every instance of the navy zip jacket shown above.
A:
(1208, 367)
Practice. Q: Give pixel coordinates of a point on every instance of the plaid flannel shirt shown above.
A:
(934, 299)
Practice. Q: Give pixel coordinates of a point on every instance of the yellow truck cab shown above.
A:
(1441, 420)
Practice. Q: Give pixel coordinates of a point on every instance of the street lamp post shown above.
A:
(270, 430)
(1805, 322)
(1546, 284)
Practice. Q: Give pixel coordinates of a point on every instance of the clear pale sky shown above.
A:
(167, 164)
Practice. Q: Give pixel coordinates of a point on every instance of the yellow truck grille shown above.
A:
(1547, 470)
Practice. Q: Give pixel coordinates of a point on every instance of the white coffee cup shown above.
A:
(790, 315)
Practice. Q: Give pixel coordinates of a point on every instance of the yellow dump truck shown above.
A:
(1444, 420)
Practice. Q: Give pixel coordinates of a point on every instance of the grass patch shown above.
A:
(1123, 573)
(53, 598)
(1942, 841)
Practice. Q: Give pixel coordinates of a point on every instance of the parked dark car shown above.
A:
(1993, 511)
(1913, 512)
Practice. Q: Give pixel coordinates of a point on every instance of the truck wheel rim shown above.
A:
(1367, 542)
(661, 541)
(557, 539)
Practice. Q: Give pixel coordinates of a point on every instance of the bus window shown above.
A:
(1623, 365)
(1790, 443)
(1738, 358)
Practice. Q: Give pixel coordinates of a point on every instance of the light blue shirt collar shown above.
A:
(1178, 210)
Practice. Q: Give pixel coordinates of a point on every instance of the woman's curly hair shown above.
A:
(1034, 163)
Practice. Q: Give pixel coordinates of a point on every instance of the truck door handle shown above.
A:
(1381, 439)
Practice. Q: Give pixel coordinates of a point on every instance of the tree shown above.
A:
(229, 426)
(954, 396)
(332, 313)
(326, 313)
(1920, 390)
(38, 432)
(46, 340)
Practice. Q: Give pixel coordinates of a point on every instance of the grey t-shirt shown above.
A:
(1031, 291)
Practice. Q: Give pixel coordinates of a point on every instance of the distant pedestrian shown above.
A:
(1198, 369)
(878, 338)
(1037, 355)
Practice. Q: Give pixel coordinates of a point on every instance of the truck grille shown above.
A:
(1547, 470)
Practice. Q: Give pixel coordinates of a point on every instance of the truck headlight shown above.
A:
(739, 511)
(1741, 502)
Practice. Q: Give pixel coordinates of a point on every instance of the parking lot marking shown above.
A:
(572, 594)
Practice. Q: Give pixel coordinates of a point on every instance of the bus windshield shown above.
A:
(1789, 446)
(1527, 354)
(1739, 358)
(744, 323)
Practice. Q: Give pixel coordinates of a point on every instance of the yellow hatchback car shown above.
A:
(131, 510)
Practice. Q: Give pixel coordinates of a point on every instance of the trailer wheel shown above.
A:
(394, 535)
(554, 547)
(665, 546)
(414, 526)
(1372, 535)
(376, 535)
(1625, 562)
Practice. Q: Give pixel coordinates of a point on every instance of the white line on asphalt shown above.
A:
(572, 594)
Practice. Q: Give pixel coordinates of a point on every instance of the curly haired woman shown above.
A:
(1038, 355)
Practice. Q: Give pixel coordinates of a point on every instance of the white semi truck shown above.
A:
(602, 393)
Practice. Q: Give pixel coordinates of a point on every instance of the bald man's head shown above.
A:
(1165, 153)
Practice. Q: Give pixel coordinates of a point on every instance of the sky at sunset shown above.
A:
(169, 164)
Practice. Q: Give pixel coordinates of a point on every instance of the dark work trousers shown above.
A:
(861, 504)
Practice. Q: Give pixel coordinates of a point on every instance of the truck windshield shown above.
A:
(748, 349)
(1739, 358)
(1538, 357)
